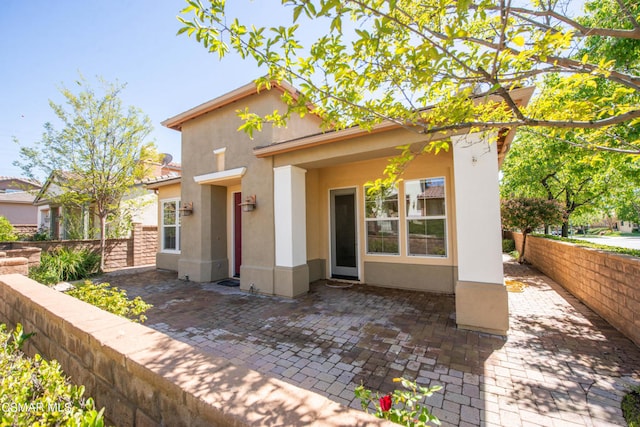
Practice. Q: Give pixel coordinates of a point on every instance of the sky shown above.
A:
(45, 45)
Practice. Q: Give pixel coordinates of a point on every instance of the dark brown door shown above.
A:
(237, 234)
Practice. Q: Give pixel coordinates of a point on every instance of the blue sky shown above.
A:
(45, 44)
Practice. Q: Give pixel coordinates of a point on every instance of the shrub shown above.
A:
(405, 407)
(41, 235)
(65, 264)
(111, 299)
(7, 233)
(34, 391)
(508, 245)
(631, 407)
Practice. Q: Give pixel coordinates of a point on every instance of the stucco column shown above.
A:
(291, 277)
(481, 297)
(203, 242)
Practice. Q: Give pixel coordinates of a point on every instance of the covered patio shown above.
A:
(561, 364)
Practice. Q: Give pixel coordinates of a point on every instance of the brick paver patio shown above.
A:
(561, 365)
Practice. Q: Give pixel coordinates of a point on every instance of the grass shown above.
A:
(578, 242)
(603, 231)
(621, 234)
(631, 407)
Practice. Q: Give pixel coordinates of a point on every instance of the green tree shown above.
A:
(424, 65)
(527, 214)
(585, 181)
(629, 209)
(7, 233)
(97, 156)
(581, 180)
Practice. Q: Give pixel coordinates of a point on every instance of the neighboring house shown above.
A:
(64, 223)
(291, 207)
(626, 226)
(10, 184)
(16, 200)
(18, 208)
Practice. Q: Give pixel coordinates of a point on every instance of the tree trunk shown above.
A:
(103, 239)
(524, 245)
(565, 229)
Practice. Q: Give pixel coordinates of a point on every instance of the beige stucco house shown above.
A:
(290, 207)
(16, 200)
(72, 223)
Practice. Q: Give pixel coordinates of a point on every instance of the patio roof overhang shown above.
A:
(222, 178)
(163, 183)
(504, 136)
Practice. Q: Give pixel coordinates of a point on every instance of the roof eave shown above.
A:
(521, 96)
(156, 185)
(242, 92)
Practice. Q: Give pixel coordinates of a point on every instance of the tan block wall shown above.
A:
(13, 265)
(30, 253)
(606, 282)
(143, 377)
(138, 250)
(25, 229)
(145, 244)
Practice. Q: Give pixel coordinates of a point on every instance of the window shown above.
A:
(171, 225)
(381, 220)
(426, 217)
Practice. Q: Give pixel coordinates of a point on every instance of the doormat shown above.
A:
(229, 282)
(338, 285)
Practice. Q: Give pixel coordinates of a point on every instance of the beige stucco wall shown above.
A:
(207, 236)
(207, 249)
(207, 246)
(165, 260)
(335, 166)
(19, 213)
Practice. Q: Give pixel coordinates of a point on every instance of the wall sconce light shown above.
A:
(186, 209)
(249, 204)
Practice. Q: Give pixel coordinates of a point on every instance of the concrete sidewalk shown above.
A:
(561, 365)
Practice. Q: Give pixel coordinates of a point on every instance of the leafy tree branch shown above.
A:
(439, 66)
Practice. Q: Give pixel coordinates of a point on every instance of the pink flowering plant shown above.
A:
(405, 406)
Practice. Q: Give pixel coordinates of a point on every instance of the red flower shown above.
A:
(385, 403)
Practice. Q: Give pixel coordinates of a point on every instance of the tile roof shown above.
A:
(17, 197)
(21, 179)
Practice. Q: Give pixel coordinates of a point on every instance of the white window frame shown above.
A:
(177, 226)
(408, 217)
(376, 219)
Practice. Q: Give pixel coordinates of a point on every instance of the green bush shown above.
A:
(402, 406)
(111, 299)
(35, 392)
(631, 407)
(508, 245)
(7, 233)
(65, 264)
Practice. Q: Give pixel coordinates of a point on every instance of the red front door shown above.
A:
(237, 233)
